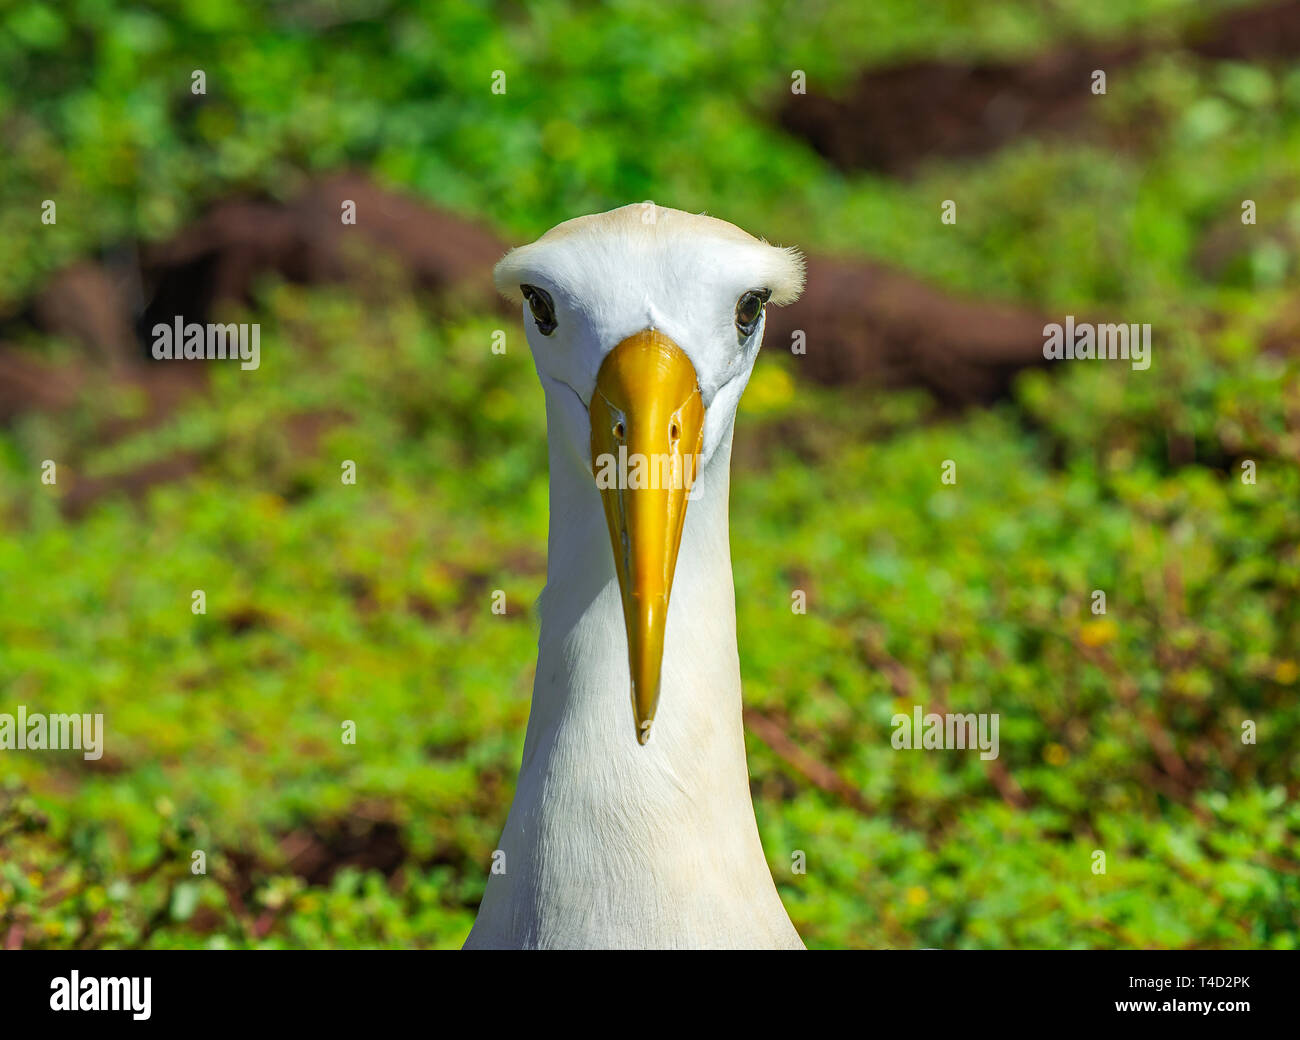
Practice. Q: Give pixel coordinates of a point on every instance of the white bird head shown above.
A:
(644, 324)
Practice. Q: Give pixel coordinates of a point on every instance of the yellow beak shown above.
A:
(647, 427)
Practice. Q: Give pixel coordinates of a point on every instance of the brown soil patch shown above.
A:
(317, 854)
(1262, 33)
(893, 118)
(86, 491)
(217, 260)
(237, 243)
(220, 259)
(29, 384)
(85, 304)
(866, 323)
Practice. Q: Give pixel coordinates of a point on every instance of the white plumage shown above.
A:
(609, 842)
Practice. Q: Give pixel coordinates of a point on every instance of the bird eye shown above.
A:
(749, 309)
(539, 302)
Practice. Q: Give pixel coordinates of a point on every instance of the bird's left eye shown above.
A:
(749, 309)
(540, 303)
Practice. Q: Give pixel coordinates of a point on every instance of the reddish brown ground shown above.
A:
(892, 118)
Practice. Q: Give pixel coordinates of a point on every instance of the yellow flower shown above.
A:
(916, 896)
(267, 505)
(1055, 755)
(770, 389)
(498, 404)
(1286, 672)
(1098, 633)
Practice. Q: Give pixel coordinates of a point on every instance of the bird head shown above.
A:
(644, 324)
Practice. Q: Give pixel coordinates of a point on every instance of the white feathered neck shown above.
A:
(610, 843)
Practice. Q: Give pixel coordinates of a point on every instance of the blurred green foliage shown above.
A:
(371, 602)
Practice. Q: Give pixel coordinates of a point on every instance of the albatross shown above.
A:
(632, 824)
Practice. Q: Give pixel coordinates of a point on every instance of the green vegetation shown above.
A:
(370, 602)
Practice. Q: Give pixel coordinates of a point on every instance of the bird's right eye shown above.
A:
(749, 310)
(540, 303)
